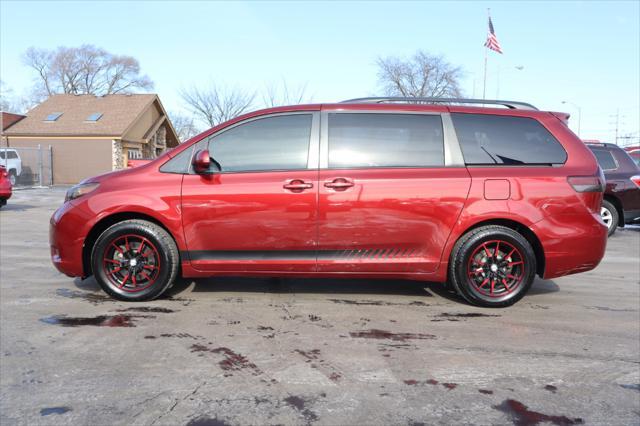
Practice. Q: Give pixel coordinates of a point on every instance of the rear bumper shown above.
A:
(571, 243)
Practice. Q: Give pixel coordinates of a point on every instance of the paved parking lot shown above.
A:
(292, 351)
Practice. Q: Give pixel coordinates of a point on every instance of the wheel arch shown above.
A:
(104, 223)
(618, 205)
(520, 228)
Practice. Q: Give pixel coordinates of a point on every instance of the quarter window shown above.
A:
(605, 159)
(385, 140)
(506, 140)
(271, 143)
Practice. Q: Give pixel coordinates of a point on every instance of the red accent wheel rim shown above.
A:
(496, 268)
(131, 263)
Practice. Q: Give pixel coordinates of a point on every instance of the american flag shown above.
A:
(492, 41)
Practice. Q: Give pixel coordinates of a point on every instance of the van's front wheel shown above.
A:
(135, 260)
(492, 266)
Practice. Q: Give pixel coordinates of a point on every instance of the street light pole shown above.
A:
(579, 113)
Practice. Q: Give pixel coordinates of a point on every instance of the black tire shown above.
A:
(3, 201)
(610, 216)
(122, 270)
(473, 264)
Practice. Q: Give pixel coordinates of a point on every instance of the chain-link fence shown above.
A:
(28, 166)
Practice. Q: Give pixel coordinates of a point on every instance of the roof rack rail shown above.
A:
(380, 100)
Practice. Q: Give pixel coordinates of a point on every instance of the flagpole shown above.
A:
(486, 49)
(484, 85)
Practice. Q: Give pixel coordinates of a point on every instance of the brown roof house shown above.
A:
(91, 134)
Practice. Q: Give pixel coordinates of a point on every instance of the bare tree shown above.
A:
(185, 126)
(217, 104)
(422, 75)
(84, 70)
(279, 95)
(10, 102)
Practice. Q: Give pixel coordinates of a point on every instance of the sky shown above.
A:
(586, 53)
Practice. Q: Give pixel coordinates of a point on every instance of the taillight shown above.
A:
(590, 189)
(586, 183)
(636, 180)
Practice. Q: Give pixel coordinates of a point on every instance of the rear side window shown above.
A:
(605, 159)
(385, 140)
(506, 140)
(270, 143)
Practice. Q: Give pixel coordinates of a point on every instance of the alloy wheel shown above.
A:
(496, 268)
(131, 263)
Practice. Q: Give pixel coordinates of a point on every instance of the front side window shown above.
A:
(271, 143)
(385, 140)
(506, 140)
(605, 159)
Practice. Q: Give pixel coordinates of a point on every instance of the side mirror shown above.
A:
(201, 161)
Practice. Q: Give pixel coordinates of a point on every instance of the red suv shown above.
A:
(424, 189)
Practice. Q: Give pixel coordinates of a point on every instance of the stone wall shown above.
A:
(117, 155)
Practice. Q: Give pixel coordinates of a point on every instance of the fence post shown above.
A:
(50, 165)
(40, 164)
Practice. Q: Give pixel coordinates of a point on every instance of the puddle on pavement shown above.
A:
(207, 421)
(522, 416)
(551, 388)
(97, 321)
(382, 334)
(54, 410)
(300, 405)
(635, 386)
(485, 391)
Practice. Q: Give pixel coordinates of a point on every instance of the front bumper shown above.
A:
(66, 238)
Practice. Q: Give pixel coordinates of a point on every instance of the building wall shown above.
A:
(73, 159)
(143, 124)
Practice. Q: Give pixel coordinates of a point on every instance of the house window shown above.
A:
(53, 116)
(134, 154)
(94, 117)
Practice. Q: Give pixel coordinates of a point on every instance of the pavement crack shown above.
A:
(178, 401)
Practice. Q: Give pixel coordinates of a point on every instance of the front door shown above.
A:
(258, 212)
(388, 199)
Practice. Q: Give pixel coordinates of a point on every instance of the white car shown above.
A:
(11, 160)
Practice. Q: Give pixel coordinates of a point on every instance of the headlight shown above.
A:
(80, 190)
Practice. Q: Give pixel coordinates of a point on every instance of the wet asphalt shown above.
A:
(232, 351)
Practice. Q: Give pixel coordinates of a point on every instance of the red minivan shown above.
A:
(418, 188)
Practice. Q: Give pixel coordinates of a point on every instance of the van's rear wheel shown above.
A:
(135, 260)
(492, 266)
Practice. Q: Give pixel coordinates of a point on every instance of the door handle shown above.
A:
(339, 184)
(297, 185)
